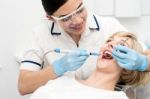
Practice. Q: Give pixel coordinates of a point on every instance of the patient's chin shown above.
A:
(108, 67)
(104, 64)
(107, 64)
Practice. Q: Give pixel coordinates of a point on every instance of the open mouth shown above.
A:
(107, 55)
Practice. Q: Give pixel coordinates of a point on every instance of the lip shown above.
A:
(76, 27)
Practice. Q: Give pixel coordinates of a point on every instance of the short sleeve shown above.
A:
(32, 54)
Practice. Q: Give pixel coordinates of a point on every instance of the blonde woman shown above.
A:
(101, 83)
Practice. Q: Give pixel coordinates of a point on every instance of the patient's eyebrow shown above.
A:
(124, 42)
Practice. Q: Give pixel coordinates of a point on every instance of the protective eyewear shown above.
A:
(68, 17)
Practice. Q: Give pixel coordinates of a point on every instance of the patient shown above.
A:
(101, 83)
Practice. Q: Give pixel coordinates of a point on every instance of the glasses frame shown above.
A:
(69, 15)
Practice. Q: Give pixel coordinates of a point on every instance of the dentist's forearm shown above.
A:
(29, 81)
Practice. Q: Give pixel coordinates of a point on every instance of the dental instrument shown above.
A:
(58, 50)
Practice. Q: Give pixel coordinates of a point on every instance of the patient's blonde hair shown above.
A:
(129, 77)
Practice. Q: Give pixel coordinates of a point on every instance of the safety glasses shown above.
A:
(69, 17)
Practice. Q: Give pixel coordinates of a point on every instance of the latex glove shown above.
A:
(148, 46)
(130, 59)
(70, 62)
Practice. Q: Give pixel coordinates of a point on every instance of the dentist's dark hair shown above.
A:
(50, 6)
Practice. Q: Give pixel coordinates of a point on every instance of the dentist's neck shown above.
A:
(76, 38)
(102, 80)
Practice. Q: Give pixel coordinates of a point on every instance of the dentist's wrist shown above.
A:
(145, 64)
(59, 71)
(148, 68)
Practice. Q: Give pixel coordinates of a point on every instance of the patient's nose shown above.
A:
(110, 46)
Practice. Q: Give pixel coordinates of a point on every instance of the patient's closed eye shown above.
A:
(123, 42)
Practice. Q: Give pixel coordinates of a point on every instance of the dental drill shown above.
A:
(58, 50)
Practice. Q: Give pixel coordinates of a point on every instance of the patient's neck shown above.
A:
(102, 80)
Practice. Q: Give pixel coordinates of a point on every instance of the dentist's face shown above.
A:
(72, 17)
(105, 61)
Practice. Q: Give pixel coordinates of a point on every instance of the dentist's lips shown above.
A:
(107, 55)
(76, 27)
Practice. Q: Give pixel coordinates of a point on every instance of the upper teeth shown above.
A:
(107, 52)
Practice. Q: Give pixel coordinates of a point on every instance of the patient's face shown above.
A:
(105, 61)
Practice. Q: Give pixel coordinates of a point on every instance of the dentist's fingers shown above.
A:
(126, 65)
(121, 48)
(120, 59)
(119, 54)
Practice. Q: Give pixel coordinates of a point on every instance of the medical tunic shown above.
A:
(49, 36)
(66, 87)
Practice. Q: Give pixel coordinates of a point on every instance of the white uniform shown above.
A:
(66, 87)
(49, 36)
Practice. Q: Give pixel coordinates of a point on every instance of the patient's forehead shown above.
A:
(122, 39)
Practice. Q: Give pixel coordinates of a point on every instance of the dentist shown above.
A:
(68, 26)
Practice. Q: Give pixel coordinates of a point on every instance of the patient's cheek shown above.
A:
(147, 52)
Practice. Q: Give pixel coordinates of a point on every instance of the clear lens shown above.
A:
(69, 16)
(66, 19)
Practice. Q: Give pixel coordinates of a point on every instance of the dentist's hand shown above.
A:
(70, 62)
(148, 46)
(130, 59)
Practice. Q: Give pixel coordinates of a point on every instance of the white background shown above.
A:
(18, 17)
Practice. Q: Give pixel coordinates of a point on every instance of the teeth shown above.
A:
(107, 52)
(107, 55)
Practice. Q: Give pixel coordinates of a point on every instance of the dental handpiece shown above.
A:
(58, 50)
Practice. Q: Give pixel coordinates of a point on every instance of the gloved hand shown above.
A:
(130, 59)
(148, 46)
(70, 62)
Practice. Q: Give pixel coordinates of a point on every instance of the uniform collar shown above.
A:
(92, 23)
(54, 29)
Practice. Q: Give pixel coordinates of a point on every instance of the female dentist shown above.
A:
(68, 26)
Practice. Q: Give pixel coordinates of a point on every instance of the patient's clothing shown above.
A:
(66, 87)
